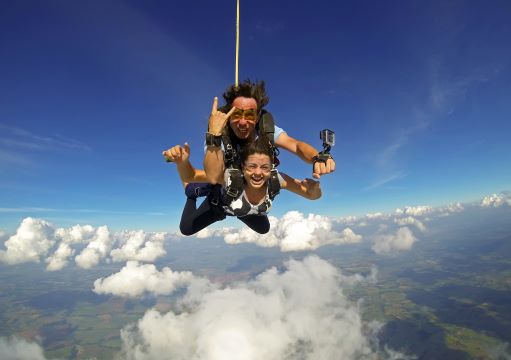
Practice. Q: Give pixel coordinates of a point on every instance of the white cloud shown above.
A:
(414, 210)
(495, 200)
(32, 240)
(14, 348)
(209, 232)
(377, 215)
(138, 245)
(76, 234)
(403, 239)
(37, 239)
(409, 220)
(205, 233)
(450, 209)
(295, 232)
(347, 220)
(134, 280)
(389, 153)
(17, 138)
(96, 250)
(59, 259)
(300, 313)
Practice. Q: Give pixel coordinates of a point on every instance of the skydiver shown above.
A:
(243, 109)
(252, 204)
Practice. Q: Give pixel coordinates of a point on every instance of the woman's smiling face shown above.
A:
(256, 170)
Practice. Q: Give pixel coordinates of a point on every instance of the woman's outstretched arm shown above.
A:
(308, 188)
(180, 155)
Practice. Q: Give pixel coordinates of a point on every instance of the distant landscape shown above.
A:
(449, 297)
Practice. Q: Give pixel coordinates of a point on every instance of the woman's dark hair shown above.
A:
(261, 145)
(248, 89)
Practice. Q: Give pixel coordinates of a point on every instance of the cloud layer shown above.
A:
(294, 231)
(300, 313)
(37, 240)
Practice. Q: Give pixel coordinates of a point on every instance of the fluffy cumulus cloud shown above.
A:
(410, 220)
(299, 313)
(19, 349)
(76, 234)
(37, 240)
(377, 215)
(96, 250)
(414, 210)
(450, 209)
(495, 200)
(59, 259)
(295, 232)
(32, 241)
(135, 279)
(403, 239)
(138, 245)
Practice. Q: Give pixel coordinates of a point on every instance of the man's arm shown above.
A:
(214, 157)
(189, 174)
(180, 155)
(307, 153)
(214, 164)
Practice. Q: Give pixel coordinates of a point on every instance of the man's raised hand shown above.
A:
(323, 168)
(218, 119)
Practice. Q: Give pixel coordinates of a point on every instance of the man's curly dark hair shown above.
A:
(248, 89)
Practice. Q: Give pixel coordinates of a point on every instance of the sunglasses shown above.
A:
(248, 114)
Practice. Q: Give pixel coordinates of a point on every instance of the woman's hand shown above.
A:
(312, 187)
(178, 153)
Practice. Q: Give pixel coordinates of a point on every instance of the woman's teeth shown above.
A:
(257, 180)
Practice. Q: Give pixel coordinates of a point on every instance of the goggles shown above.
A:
(248, 114)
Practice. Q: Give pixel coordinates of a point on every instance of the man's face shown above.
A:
(243, 122)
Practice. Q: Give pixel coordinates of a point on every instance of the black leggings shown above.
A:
(195, 219)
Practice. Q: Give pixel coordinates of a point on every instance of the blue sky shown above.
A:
(91, 92)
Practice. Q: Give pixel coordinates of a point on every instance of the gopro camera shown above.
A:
(328, 138)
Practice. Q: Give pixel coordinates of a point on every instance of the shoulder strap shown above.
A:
(273, 184)
(266, 125)
(230, 153)
(233, 176)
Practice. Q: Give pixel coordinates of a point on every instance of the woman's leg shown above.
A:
(258, 223)
(195, 219)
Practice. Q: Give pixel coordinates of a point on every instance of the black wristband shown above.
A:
(321, 157)
(213, 140)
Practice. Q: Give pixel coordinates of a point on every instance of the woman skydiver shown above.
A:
(254, 202)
